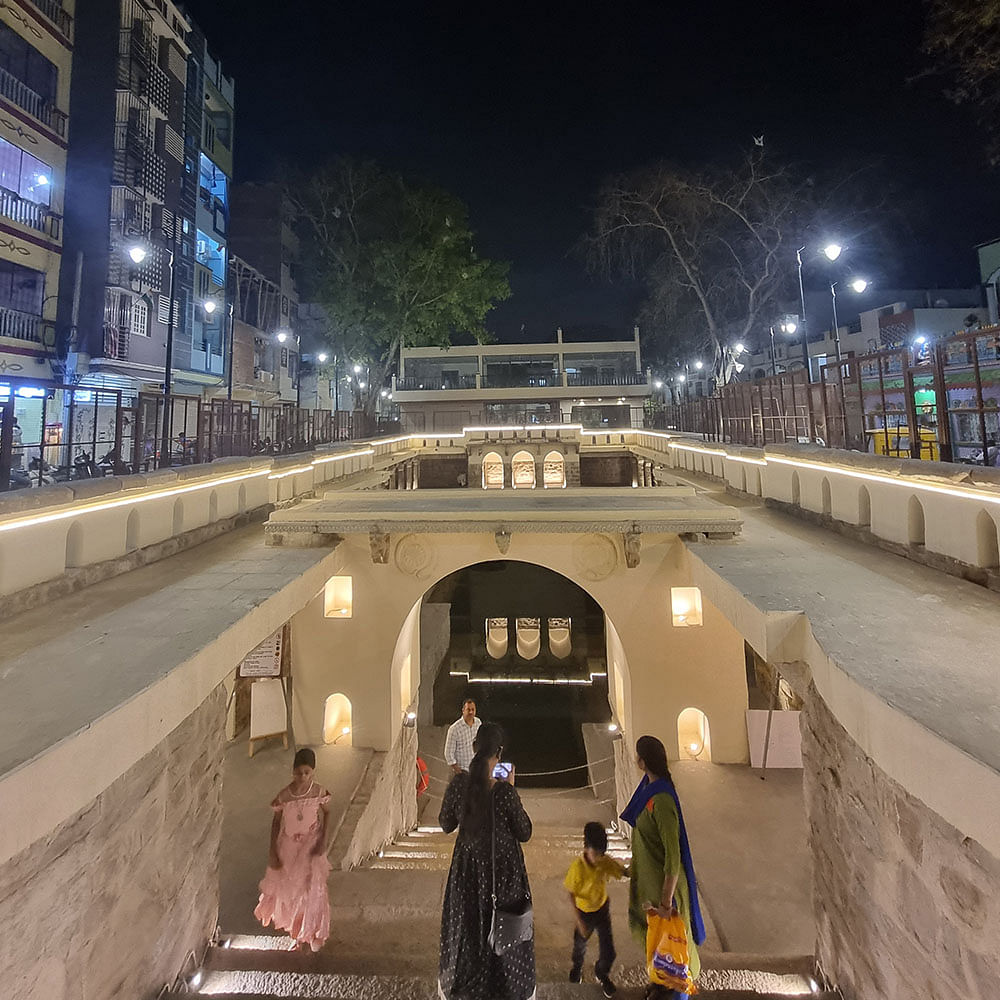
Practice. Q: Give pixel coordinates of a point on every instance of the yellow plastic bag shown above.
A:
(667, 956)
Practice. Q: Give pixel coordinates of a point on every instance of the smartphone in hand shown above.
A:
(502, 771)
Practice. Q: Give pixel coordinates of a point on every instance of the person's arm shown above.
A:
(518, 820)
(324, 808)
(449, 750)
(665, 816)
(581, 927)
(450, 805)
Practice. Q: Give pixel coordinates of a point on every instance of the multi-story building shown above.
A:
(598, 384)
(149, 166)
(263, 238)
(36, 55)
(209, 112)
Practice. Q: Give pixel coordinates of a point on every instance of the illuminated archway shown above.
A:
(694, 738)
(338, 720)
(492, 471)
(554, 471)
(522, 471)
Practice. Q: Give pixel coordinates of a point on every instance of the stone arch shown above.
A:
(338, 716)
(493, 471)
(74, 545)
(827, 497)
(178, 520)
(915, 522)
(864, 507)
(522, 471)
(132, 531)
(694, 735)
(987, 541)
(213, 507)
(554, 470)
(496, 637)
(796, 489)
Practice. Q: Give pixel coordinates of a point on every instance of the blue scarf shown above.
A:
(640, 797)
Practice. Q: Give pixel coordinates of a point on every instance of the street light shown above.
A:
(833, 251)
(137, 253)
(209, 305)
(858, 285)
(281, 336)
(357, 369)
(321, 357)
(699, 365)
(738, 348)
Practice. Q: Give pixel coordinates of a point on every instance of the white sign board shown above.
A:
(784, 742)
(267, 709)
(265, 659)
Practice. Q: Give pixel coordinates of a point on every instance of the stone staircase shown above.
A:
(359, 801)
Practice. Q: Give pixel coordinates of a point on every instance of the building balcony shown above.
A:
(53, 10)
(557, 386)
(605, 379)
(30, 214)
(25, 326)
(39, 107)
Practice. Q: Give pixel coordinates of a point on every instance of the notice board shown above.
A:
(265, 659)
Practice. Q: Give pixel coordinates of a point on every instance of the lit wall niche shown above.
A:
(337, 720)
(694, 740)
(338, 598)
(492, 472)
(496, 637)
(522, 471)
(685, 606)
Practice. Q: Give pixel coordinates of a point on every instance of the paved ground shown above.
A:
(65, 665)
(925, 642)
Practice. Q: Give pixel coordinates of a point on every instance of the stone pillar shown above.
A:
(416, 474)
(408, 475)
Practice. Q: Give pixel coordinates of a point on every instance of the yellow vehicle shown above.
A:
(895, 442)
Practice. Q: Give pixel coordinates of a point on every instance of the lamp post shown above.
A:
(857, 285)
(138, 253)
(802, 317)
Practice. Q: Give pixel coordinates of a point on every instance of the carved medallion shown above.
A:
(595, 556)
(415, 556)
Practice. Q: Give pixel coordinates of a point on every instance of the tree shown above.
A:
(393, 265)
(712, 247)
(964, 38)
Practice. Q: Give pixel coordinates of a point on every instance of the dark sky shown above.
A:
(522, 109)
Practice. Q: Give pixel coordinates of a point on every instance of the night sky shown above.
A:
(521, 110)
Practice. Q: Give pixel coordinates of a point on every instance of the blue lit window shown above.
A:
(211, 254)
(24, 174)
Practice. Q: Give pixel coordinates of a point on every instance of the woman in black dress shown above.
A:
(469, 968)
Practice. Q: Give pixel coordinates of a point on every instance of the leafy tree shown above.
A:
(964, 38)
(712, 248)
(393, 265)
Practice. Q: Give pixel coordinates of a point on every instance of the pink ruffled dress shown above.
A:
(294, 897)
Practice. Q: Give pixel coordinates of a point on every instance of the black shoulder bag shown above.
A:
(508, 927)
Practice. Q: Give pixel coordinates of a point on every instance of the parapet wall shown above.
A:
(114, 900)
(906, 906)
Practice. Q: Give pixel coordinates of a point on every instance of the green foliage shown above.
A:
(392, 263)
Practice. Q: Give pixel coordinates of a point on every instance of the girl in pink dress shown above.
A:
(293, 892)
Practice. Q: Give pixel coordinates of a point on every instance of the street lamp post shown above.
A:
(802, 320)
(858, 285)
(138, 254)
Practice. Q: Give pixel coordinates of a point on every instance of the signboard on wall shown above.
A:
(265, 659)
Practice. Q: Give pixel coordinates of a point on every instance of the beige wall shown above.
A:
(664, 669)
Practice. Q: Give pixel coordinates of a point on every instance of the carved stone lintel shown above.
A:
(502, 537)
(633, 543)
(379, 542)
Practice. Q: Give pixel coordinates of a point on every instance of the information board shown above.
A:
(265, 659)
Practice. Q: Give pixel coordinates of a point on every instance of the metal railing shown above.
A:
(604, 379)
(30, 213)
(496, 380)
(53, 10)
(24, 97)
(938, 401)
(20, 325)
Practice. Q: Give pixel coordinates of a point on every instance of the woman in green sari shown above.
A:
(663, 879)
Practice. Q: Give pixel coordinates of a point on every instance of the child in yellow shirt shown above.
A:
(586, 882)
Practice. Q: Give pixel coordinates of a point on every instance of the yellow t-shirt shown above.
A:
(587, 882)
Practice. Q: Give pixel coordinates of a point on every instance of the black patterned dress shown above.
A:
(469, 969)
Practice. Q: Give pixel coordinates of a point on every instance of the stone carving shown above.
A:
(414, 556)
(633, 544)
(502, 537)
(595, 556)
(379, 542)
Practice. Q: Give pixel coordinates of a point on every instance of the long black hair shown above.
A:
(654, 755)
(487, 744)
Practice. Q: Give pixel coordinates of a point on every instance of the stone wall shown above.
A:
(905, 905)
(112, 902)
(444, 472)
(607, 470)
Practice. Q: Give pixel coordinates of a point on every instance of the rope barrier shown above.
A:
(535, 774)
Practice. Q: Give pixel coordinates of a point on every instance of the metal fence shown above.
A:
(933, 401)
(61, 433)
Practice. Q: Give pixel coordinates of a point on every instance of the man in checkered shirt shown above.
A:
(458, 750)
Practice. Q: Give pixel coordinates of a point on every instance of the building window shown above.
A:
(139, 326)
(24, 174)
(21, 288)
(25, 63)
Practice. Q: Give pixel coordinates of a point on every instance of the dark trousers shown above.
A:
(600, 921)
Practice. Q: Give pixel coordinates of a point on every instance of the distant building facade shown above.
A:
(598, 384)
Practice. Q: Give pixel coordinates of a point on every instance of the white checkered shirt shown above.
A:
(458, 743)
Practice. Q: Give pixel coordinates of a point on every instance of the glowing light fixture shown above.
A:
(921, 340)
(42, 179)
(612, 727)
(739, 348)
(322, 357)
(832, 251)
(281, 336)
(338, 597)
(210, 305)
(859, 285)
(681, 378)
(685, 606)
(357, 369)
(658, 384)
(138, 253)
(699, 365)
